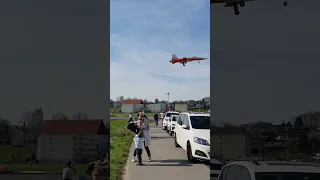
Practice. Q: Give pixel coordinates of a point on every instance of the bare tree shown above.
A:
(25, 120)
(24, 123)
(80, 116)
(145, 101)
(60, 116)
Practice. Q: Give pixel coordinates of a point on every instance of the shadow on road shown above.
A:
(155, 137)
(170, 162)
(181, 161)
(167, 165)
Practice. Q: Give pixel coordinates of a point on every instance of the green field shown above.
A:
(115, 112)
(120, 140)
(22, 153)
(80, 168)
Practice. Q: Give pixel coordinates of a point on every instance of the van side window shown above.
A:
(179, 120)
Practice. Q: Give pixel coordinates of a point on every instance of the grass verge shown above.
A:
(80, 168)
(120, 141)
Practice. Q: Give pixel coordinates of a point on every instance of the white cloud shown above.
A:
(144, 34)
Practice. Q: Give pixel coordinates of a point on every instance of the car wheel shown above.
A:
(175, 140)
(189, 154)
(163, 127)
(171, 133)
(168, 129)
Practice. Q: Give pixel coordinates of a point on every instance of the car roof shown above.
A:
(172, 112)
(196, 113)
(278, 166)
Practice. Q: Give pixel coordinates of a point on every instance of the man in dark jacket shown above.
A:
(156, 118)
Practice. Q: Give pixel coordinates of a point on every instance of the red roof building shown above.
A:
(134, 101)
(72, 140)
(73, 127)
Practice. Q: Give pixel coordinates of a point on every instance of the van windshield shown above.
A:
(170, 114)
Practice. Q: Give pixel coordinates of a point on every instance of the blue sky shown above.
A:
(144, 35)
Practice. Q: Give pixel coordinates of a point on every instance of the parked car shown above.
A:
(167, 117)
(192, 133)
(261, 170)
(172, 124)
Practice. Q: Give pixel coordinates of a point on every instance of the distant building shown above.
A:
(225, 139)
(159, 107)
(181, 107)
(72, 140)
(132, 106)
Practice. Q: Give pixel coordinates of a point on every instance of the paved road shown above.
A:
(168, 162)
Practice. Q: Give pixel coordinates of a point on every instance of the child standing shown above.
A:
(138, 141)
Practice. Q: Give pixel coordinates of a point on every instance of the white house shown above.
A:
(132, 106)
(72, 140)
(159, 107)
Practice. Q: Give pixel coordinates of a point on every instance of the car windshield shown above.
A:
(287, 176)
(174, 118)
(200, 122)
(170, 114)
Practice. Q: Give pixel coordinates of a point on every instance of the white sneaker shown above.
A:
(149, 159)
(133, 159)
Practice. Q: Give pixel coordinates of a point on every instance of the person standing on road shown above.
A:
(156, 118)
(144, 125)
(162, 115)
(130, 117)
(138, 142)
(68, 172)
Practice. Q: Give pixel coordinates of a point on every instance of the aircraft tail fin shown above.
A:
(174, 56)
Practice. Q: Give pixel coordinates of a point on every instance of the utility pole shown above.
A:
(168, 96)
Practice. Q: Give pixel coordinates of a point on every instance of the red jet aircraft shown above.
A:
(235, 4)
(184, 60)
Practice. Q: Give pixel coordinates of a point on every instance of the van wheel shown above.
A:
(189, 154)
(175, 140)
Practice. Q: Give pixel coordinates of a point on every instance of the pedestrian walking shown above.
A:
(156, 118)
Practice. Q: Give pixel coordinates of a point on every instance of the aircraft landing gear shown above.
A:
(285, 3)
(236, 9)
(184, 64)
